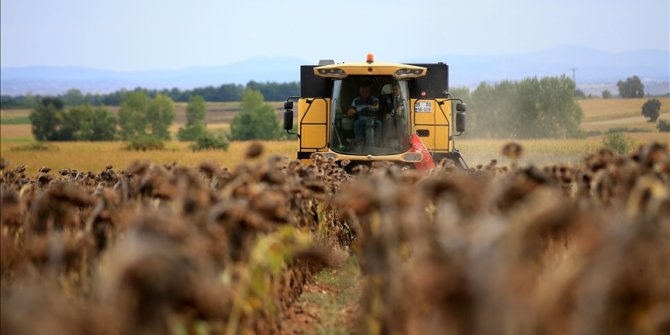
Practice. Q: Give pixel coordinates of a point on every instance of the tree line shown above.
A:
(138, 116)
(271, 91)
(145, 121)
(52, 122)
(530, 108)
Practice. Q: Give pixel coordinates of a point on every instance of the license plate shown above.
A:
(423, 107)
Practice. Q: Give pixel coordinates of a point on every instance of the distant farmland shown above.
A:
(603, 114)
(599, 116)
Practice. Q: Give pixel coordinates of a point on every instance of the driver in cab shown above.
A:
(363, 107)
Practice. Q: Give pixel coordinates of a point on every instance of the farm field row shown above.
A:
(23, 132)
(628, 122)
(94, 156)
(609, 109)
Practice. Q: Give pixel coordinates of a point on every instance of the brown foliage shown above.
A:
(559, 249)
(150, 244)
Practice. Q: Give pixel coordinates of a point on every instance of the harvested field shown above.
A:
(12, 132)
(86, 156)
(609, 109)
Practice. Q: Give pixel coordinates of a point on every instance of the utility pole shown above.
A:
(573, 69)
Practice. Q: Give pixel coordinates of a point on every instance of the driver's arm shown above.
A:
(375, 104)
(351, 112)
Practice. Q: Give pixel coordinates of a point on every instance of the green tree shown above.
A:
(525, 113)
(71, 123)
(530, 108)
(631, 88)
(98, 125)
(73, 97)
(30, 101)
(53, 123)
(141, 116)
(196, 111)
(144, 143)
(618, 142)
(256, 119)
(491, 106)
(651, 110)
(663, 126)
(160, 116)
(45, 119)
(132, 115)
(209, 141)
(103, 127)
(460, 92)
(560, 114)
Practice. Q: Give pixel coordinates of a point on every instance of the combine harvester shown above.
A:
(369, 111)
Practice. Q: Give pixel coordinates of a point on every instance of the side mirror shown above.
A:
(460, 107)
(288, 115)
(460, 121)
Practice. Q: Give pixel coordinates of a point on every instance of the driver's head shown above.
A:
(364, 91)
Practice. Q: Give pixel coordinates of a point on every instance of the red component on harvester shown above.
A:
(418, 146)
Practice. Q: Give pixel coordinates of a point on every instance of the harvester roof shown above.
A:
(342, 70)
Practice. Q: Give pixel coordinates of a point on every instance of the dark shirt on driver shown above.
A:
(363, 106)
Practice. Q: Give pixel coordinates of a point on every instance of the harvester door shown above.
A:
(432, 124)
(313, 116)
(424, 122)
(442, 124)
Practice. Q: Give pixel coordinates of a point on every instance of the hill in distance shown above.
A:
(595, 70)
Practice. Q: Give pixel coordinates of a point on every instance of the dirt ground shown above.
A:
(328, 304)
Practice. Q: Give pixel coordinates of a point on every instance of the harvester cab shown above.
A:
(371, 111)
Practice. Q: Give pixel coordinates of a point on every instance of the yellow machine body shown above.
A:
(429, 115)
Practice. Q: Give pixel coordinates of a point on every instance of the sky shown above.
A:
(137, 35)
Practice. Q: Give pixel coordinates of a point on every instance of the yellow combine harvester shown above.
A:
(370, 111)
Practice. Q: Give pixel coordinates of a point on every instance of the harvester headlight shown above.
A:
(332, 72)
(412, 157)
(401, 73)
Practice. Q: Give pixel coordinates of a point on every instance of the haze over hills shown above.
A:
(596, 70)
(54, 80)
